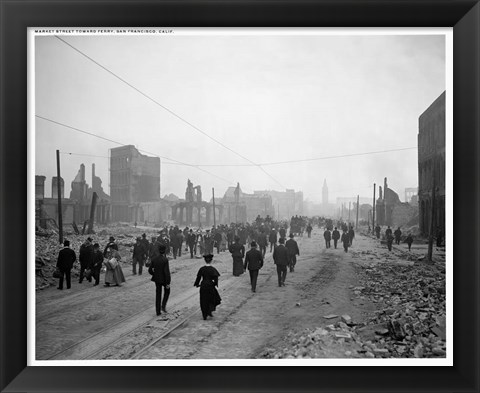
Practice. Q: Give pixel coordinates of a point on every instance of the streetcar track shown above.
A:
(127, 325)
(169, 331)
(57, 304)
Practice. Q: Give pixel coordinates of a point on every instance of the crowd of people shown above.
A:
(171, 241)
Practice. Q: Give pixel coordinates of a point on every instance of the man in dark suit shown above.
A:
(292, 249)
(191, 241)
(262, 242)
(254, 262)
(66, 258)
(280, 257)
(272, 238)
(160, 272)
(86, 258)
(97, 263)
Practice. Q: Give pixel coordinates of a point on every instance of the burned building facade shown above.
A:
(134, 178)
(77, 208)
(431, 166)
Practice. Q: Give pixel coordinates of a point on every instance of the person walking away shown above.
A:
(238, 253)
(218, 240)
(208, 242)
(439, 236)
(209, 296)
(389, 238)
(160, 271)
(66, 259)
(191, 241)
(345, 240)
(351, 235)
(409, 241)
(262, 242)
(253, 262)
(138, 256)
(114, 274)
(174, 244)
(397, 234)
(335, 237)
(388, 231)
(272, 238)
(145, 244)
(180, 239)
(201, 243)
(309, 230)
(280, 258)
(327, 236)
(377, 231)
(86, 258)
(292, 251)
(282, 232)
(97, 263)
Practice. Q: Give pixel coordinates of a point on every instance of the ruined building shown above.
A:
(390, 211)
(75, 209)
(431, 165)
(134, 178)
(97, 187)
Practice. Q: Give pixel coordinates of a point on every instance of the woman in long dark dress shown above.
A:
(209, 296)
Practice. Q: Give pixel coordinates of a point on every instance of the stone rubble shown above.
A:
(409, 321)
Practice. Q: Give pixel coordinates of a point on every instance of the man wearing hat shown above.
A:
(280, 257)
(293, 251)
(160, 271)
(139, 256)
(66, 258)
(86, 258)
(191, 242)
(254, 262)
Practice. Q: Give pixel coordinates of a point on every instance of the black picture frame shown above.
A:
(17, 16)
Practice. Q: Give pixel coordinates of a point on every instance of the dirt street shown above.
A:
(120, 323)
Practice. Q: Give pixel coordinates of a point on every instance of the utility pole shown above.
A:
(358, 200)
(373, 210)
(432, 212)
(342, 212)
(349, 204)
(59, 196)
(213, 197)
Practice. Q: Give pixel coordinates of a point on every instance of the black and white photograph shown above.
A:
(240, 196)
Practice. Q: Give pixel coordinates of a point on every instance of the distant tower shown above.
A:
(325, 193)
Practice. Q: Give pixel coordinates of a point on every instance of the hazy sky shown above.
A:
(269, 98)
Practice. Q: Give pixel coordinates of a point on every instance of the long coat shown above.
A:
(280, 255)
(253, 260)
(292, 247)
(66, 258)
(160, 270)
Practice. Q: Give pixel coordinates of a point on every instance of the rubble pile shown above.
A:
(410, 320)
(47, 248)
(334, 341)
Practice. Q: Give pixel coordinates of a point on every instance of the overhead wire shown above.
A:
(168, 109)
(122, 144)
(309, 159)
